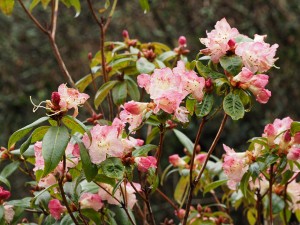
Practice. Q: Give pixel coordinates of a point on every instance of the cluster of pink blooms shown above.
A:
(167, 89)
(66, 98)
(8, 209)
(277, 135)
(256, 55)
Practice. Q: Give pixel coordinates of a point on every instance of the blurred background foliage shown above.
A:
(28, 67)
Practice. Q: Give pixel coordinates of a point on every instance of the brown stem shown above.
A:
(54, 18)
(167, 199)
(152, 220)
(82, 217)
(270, 194)
(160, 146)
(285, 204)
(195, 182)
(258, 206)
(124, 205)
(63, 194)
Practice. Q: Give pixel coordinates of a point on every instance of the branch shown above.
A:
(167, 199)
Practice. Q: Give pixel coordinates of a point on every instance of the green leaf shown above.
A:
(244, 183)
(232, 64)
(75, 125)
(152, 179)
(74, 3)
(91, 214)
(90, 170)
(152, 135)
(184, 140)
(143, 150)
(86, 80)
(113, 168)
(39, 133)
(33, 4)
(252, 216)
(2, 210)
(103, 92)
(233, 106)
(295, 127)
(106, 6)
(9, 169)
(166, 56)
(121, 64)
(5, 181)
(206, 72)
(101, 178)
(144, 66)
(214, 185)
(190, 105)
(7, 6)
(25, 202)
(25, 145)
(16, 136)
(222, 85)
(119, 93)
(132, 88)
(181, 189)
(53, 147)
(45, 3)
(145, 5)
(203, 108)
(67, 220)
(121, 216)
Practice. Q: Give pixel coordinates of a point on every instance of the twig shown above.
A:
(167, 199)
(152, 220)
(54, 15)
(124, 205)
(270, 194)
(160, 145)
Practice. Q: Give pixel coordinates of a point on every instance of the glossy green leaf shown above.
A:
(5, 181)
(25, 145)
(54, 144)
(206, 72)
(2, 210)
(222, 86)
(113, 168)
(24, 202)
(103, 92)
(90, 170)
(132, 88)
(244, 183)
(121, 216)
(233, 106)
(144, 66)
(184, 140)
(16, 136)
(166, 56)
(143, 150)
(7, 6)
(145, 5)
(181, 189)
(295, 127)
(91, 214)
(190, 105)
(75, 125)
(101, 178)
(119, 93)
(86, 80)
(245, 98)
(122, 63)
(39, 133)
(203, 108)
(232, 64)
(9, 169)
(214, 185)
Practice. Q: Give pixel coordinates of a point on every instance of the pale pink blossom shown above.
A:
(89, 200)
(260, 183)
(254, 83)
(200, 158)
(135, 108)
(9, 213)
(134, 120)
(47, 181)
(39, 160)
(118, 196)
(220, 40)
(71, 98)
(293, 190)
(106, 140)
(257, 55)
(145, 163)
(56, 208)
(176, 161)
(181, 114)
(234, 166)
(294, 153)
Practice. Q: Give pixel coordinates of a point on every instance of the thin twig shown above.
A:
(124, 204)
(270, 194)
(54, 18)
(152, 220)
(167, 199)
(160, 145)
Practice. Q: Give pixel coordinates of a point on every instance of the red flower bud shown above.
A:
(125, 34)
(55, 98)
(90, 56)
(182, 41)
(4, 194)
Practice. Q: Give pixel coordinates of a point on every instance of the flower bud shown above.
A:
(175, 160)
(180, 213)
(125, 34)
(182, 41)
(231, 43)
(4, 194)
(90, 56)
(55, 98)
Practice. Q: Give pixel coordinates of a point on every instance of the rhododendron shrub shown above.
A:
(107, 168)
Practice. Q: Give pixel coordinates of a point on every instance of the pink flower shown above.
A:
(47, 181)
(106, 140)
(182, 41)
(200, 158)
(118, 197)
(8, 213)
(39, 160)
(234, 166)
(135, 108)
(220, 40)
(70, 98)
(176, 161)
(294, 153)
(255, 83)
(144, 163)
(293, 190)
(4, 194)
(89, 200)
(55, 208)
(257, 56)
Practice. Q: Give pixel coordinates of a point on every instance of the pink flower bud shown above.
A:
(182, 41)
(144, 163)
(125, 34)
(287, 136)
(90, 56)
(89, 200)
(56, 209)
(4, 194)
(200, 158)
(180, 213)
(231, 43)
(175, 160)
(55, 98)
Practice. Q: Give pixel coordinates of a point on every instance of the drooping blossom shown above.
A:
(4, 194)
(92, 201)
(176, 161)
(68, 98)
(106, 140)
(254, 83)
(118, 196)
(56, 208)
(257, 55)
(9, 213)
(145, 163)
(220, 40)
(234, 166)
